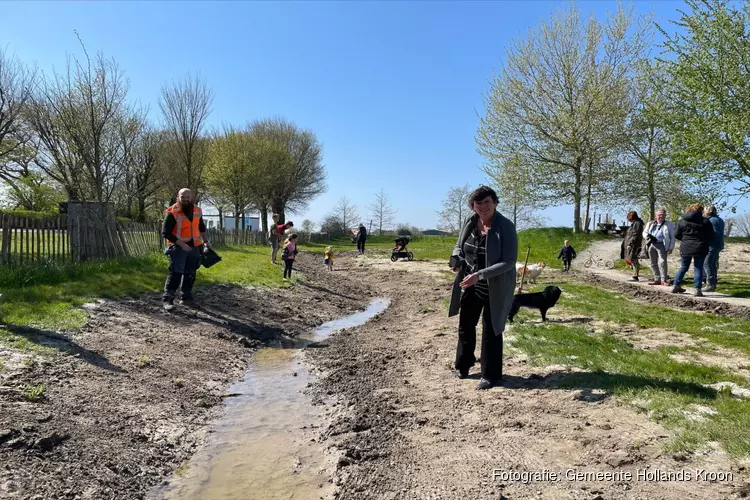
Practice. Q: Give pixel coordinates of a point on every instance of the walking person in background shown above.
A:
(634, 242)
(659, 234)
(484, 261)
(361, 238)
(695, 234)
(288, 254)
(185, 233)
(567, 254)
(274, 237)
(715, 247)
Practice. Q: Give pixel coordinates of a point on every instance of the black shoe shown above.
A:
(698, 292)
(484, 384)
(168, 304)
(634, 279)
(188, 299)
(462, 374)
(710, 288)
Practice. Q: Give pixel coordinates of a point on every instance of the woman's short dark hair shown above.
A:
(481, 193)
(632, 215)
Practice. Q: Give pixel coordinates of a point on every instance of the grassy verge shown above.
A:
(49, 297)
(670, 391)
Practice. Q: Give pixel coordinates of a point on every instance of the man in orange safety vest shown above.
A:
(185, 234)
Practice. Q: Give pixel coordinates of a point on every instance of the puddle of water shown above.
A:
(259, 444)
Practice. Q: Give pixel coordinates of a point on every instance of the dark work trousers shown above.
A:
(566, 264)
(492, 345)
(182, 269)
(361, 245)
(288, 263)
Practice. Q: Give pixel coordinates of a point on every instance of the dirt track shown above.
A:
(113, 425)
(132, 400)
(406, 428)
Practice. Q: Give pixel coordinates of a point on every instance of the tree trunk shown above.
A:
(588, 198)
(142, 210)
(221, 218)
(278, 208)
(236, 218)
(577, 197)
(264, 219)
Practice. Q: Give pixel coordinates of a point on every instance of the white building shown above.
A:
(211, 216)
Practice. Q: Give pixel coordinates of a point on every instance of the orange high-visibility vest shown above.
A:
(185, 230)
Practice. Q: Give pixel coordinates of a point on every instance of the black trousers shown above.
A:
(361, 245)
(472, 307)
(288, 267)
(182, 272)
(566, 263)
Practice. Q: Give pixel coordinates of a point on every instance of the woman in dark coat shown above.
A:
(634, 242)
(484, 260)
(695, 234)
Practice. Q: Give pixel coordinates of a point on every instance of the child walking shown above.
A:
(288, 254)
(329, 258)
(567, 253)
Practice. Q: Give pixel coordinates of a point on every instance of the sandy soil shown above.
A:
(406, 428)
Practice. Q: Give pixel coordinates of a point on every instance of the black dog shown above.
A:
(538, 300)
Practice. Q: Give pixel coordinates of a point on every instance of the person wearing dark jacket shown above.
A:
(361, 239)
(185, 234)
(634, 242)
(484, 260)
(567, 254)
(695, 234)
(711, 271)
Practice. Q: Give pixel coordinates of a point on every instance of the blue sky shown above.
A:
(390, 88)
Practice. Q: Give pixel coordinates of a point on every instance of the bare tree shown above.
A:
(302, 177)
(16, 90)
(185, 107)
(741, 225)
(308, 225)
(343, 215)
(85, 127)
(142, 179)
(382, 212)
(455, 209)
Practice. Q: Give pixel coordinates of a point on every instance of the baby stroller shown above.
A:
(399, 251)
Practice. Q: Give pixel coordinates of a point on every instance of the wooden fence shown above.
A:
(27, 240)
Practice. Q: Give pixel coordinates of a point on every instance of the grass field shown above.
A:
(668, 381)
(545, 244)
(50, 296)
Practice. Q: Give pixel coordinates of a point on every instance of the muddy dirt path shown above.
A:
(404, 427)
(129, 397)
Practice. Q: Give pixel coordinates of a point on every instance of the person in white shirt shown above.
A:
(660, 241)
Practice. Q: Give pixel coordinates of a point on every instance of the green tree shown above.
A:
(299, 173)
(232, 163)
(560, 100)
(709, 92)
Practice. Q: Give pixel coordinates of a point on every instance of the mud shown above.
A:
(129, 397)
(404, 427)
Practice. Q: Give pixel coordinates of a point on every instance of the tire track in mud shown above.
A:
(404, 427)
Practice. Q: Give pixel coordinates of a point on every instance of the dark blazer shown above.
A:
(500, 273)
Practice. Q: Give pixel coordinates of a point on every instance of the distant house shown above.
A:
(211, 216)
(435, 232)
